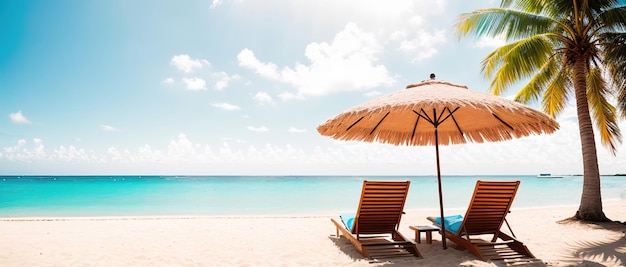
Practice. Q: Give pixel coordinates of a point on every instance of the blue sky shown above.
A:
(239, 87)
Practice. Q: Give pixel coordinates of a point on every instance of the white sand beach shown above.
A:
(307, 240)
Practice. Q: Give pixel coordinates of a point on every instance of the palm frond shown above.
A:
(539, 82)
(621, 102)
(556, 94)
(495, 59)
(603, 112)
(531, 6)
(612, 20)
(597, 7)
(546, 38)
(517, 61)
(614, 47)
(563, 9)
(614, 16)
(510, 24)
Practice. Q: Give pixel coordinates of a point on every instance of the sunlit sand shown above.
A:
(287, 241)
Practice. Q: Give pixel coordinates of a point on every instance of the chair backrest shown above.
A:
(381, 207)
(488, 208)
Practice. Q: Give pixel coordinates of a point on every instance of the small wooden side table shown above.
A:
(426, 229)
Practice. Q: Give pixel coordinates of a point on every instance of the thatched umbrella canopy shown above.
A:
(437, 113)
(406, 117)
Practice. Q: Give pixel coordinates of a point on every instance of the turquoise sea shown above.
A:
(35, 196)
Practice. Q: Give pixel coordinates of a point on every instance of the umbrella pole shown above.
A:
(443, 226)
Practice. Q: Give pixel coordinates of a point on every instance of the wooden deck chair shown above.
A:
(485, 216)
(373, 230)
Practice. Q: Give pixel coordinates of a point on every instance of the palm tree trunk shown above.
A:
(591, 200)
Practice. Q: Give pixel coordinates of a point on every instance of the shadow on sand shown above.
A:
(612, 248)
(433, 255)
(347, 248)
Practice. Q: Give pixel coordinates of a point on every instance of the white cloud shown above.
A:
(225, 106)
(240, 141)
(181, 148)
(286, 96)
(416, 28)
(168, 80)
(423, 45)
(490, 42)
(147, 154)
(263, 98)
(268, 70)
(39, 151)
(215, 4)
(14, 152)
(19, 118)
(296, 130)
(116, 156)
(373, 14)
(346, 64)
(20, 152)
(71, 154)
(194, 83)
(261, 129)
(558, 153)
(373, 93)
(223, 79)
(108, 128)
(187, 64)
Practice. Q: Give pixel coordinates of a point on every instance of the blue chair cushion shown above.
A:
(348, 220)
(452, 222)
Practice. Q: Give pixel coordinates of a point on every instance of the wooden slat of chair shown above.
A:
(380, 205)
(490, 203)
(377, 220)
(486, 214)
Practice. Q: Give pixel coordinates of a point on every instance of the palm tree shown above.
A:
(563, 48)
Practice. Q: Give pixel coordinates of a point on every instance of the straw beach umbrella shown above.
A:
(437, 113)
